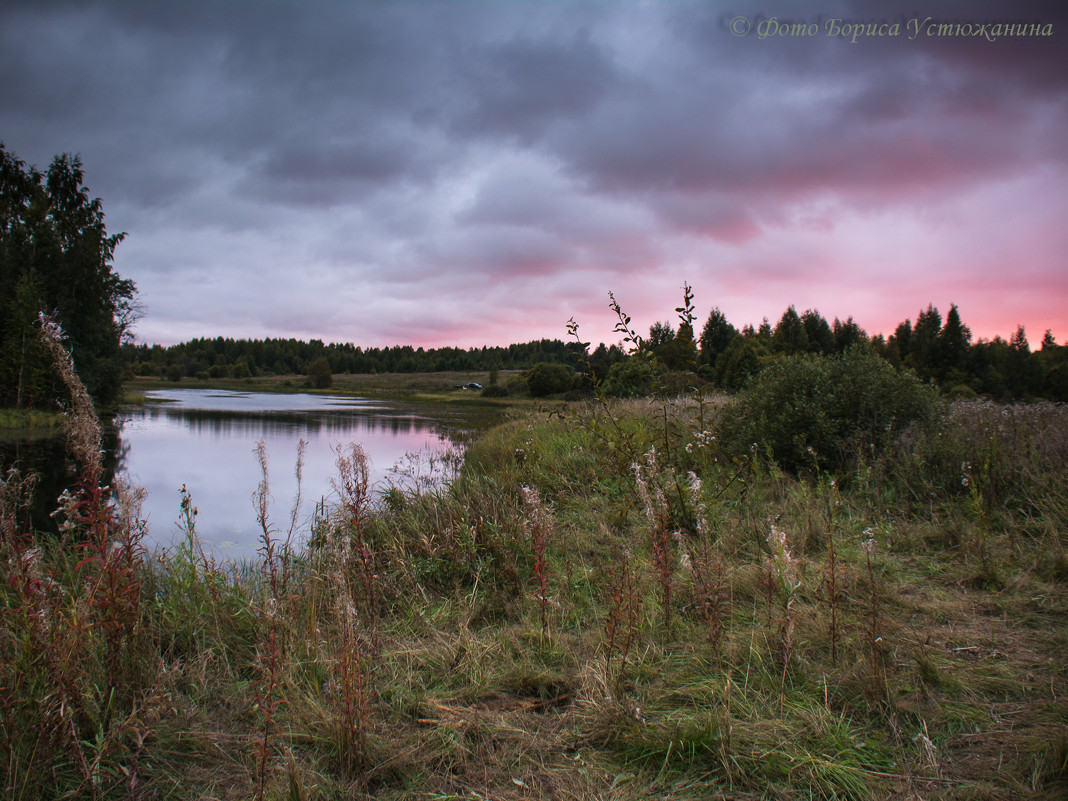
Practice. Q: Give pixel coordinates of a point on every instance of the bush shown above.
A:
(809, 410)
(743, 359)
(319, 373)
(516, 385)
(494, 391)
(629, 379)
(545, 378)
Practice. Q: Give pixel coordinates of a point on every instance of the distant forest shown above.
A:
(939, 350)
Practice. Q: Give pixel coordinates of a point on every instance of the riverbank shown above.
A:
(439, 388)
(604, 604)
(442, 386)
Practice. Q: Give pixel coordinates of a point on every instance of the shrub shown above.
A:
(809, 410)
(629, 379)
(516, 384)
(545, 378)
(494, 391)
(319, 373)
(742, 359)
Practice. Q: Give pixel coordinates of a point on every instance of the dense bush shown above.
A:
(809, 410)
(319, 373)
(630, 379)
(741, 360)
(494, 391)
(548, 379)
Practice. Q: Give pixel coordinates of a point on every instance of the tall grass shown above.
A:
(608, 604)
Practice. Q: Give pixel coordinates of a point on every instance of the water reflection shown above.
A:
(206, 440)
(45, 453)
(224, 423)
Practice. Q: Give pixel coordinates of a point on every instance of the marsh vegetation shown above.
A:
(617, 599)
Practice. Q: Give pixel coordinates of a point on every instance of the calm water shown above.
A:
(206, 440)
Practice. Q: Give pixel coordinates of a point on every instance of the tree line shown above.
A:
(937, 350)
(56, 257)
(242, 358)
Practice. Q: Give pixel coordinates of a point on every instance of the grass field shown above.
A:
(603, 603)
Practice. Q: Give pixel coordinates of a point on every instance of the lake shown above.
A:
(206, 440)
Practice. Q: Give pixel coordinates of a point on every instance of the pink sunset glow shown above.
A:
(476, 174)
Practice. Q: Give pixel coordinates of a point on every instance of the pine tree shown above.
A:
(789, 336)
(953, 342)
(716, 336)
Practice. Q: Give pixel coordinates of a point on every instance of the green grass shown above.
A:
(403, 656)
(28, 420)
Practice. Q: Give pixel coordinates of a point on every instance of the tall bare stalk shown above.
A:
(539, 523)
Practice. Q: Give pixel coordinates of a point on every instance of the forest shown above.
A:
(937, 349)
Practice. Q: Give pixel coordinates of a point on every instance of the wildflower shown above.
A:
(868, 546)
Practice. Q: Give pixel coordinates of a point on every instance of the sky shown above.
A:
(454, 173)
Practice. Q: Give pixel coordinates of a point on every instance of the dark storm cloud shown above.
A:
(345, 164)
(521, 87)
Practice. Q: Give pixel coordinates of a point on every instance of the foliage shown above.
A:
(743, 358)
(790, 335)
(817, 411)
(247, 357)
(630, 379)
(716, 336)
(319, 373)
(56, 257)
(548, 379)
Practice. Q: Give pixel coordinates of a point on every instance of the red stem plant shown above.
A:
(111, 533)
(353, 486)
(539, 523)
(874, 638)
(832, 593)
(707, 570)
(624, 615)
(353, 654)
(274, 565)
(354, 692)
(70, 640)
(662, 531)
(783, 585)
